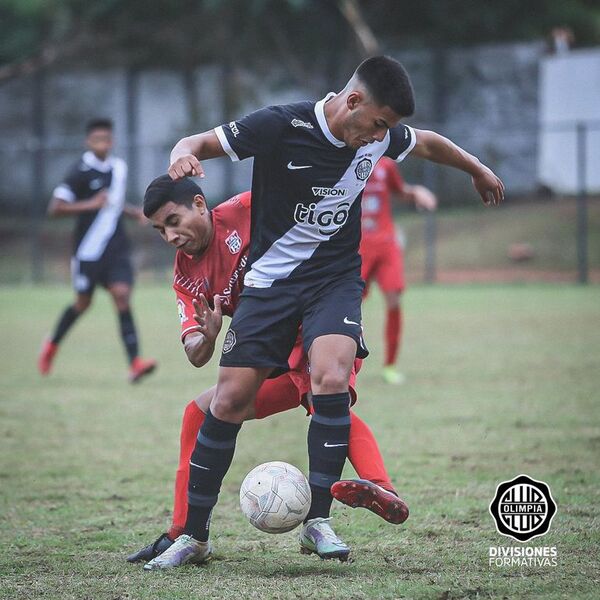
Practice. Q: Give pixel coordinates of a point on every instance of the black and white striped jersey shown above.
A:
(99, 231)
(306, 191)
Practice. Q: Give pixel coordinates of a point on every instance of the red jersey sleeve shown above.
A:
(185, 310)
(394, 179)
(244, 199)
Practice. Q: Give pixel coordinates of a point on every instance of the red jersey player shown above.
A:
(381, 252)
(212, 249)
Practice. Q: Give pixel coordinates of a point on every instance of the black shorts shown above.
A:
(110, 269)
(265, 324)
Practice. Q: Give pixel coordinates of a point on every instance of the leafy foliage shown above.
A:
(137, 32)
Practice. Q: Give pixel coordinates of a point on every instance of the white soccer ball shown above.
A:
(275, 496)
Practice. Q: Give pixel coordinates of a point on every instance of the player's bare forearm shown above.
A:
(61, 208)
(198, 348)
(437, 148)
(189, 151)
(134, 212)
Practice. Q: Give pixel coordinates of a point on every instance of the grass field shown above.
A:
(500, 381)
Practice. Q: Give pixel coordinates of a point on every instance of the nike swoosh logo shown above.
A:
(328, 445)
(292, 167)
(349, 322)
(199, 466)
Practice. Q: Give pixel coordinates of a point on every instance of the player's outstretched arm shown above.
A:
(200, 344)
(435, 147)
(189, 151)
(135, 213)
(62, 208)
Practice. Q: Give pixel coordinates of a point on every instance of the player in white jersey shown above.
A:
(94, 193)
(311, 163)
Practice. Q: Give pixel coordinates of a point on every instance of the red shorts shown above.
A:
(383, 262)
(290, 390)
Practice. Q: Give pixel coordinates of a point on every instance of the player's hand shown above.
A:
(489, 186)
(209, 321)
(185, 166)
(424, 199)
(140, 217)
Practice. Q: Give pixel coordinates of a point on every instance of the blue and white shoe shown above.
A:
(185, 549)
(317, 537)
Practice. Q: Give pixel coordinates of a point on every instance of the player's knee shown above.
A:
(82, 304)
(331, 380)
(121, 301)
(230, 405)
(392, 300)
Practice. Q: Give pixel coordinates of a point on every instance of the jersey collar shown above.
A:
(320, 113)
(93, 162)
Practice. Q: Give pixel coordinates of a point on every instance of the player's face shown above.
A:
(367, 122)
(100, 142)
(187, 228)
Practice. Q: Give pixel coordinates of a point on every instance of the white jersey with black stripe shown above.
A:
(306, 191)
(97, 231)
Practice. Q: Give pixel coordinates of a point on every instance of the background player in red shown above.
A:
(208, 278)
(381, 251)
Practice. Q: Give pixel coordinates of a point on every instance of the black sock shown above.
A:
(128, 333)
(328, 434)
(210, 461)
(69, 316)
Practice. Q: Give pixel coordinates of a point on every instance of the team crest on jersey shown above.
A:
(299, 123)
(181, 311)
(234, 242)
(229, 342)
(363, 169)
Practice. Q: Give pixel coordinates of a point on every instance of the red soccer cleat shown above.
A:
(366, 494)
(46, 357)
(141, 367)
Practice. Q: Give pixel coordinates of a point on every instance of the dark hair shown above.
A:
(100, 123)
(388, 83)
(163, 189)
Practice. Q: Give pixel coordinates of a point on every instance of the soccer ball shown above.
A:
(275, 497)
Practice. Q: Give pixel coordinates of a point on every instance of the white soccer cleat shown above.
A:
(317, 537)
(185, 549)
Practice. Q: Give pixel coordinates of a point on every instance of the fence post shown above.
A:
(582, 217)
(430, 180)
(131, 110)
(38, 174)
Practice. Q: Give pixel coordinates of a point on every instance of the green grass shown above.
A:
(500, 380)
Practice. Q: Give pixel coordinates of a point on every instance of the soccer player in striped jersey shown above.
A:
(94, 193)
(212, 253)
(311, 163)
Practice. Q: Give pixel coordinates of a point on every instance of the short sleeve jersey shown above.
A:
(377, 219)
(97, 233)
(306, 191)
(220, 268)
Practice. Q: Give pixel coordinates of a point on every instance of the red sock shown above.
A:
(393, 331)
(193, 418)
(364, 454)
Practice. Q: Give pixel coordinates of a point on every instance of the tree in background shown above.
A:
(301, 33)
